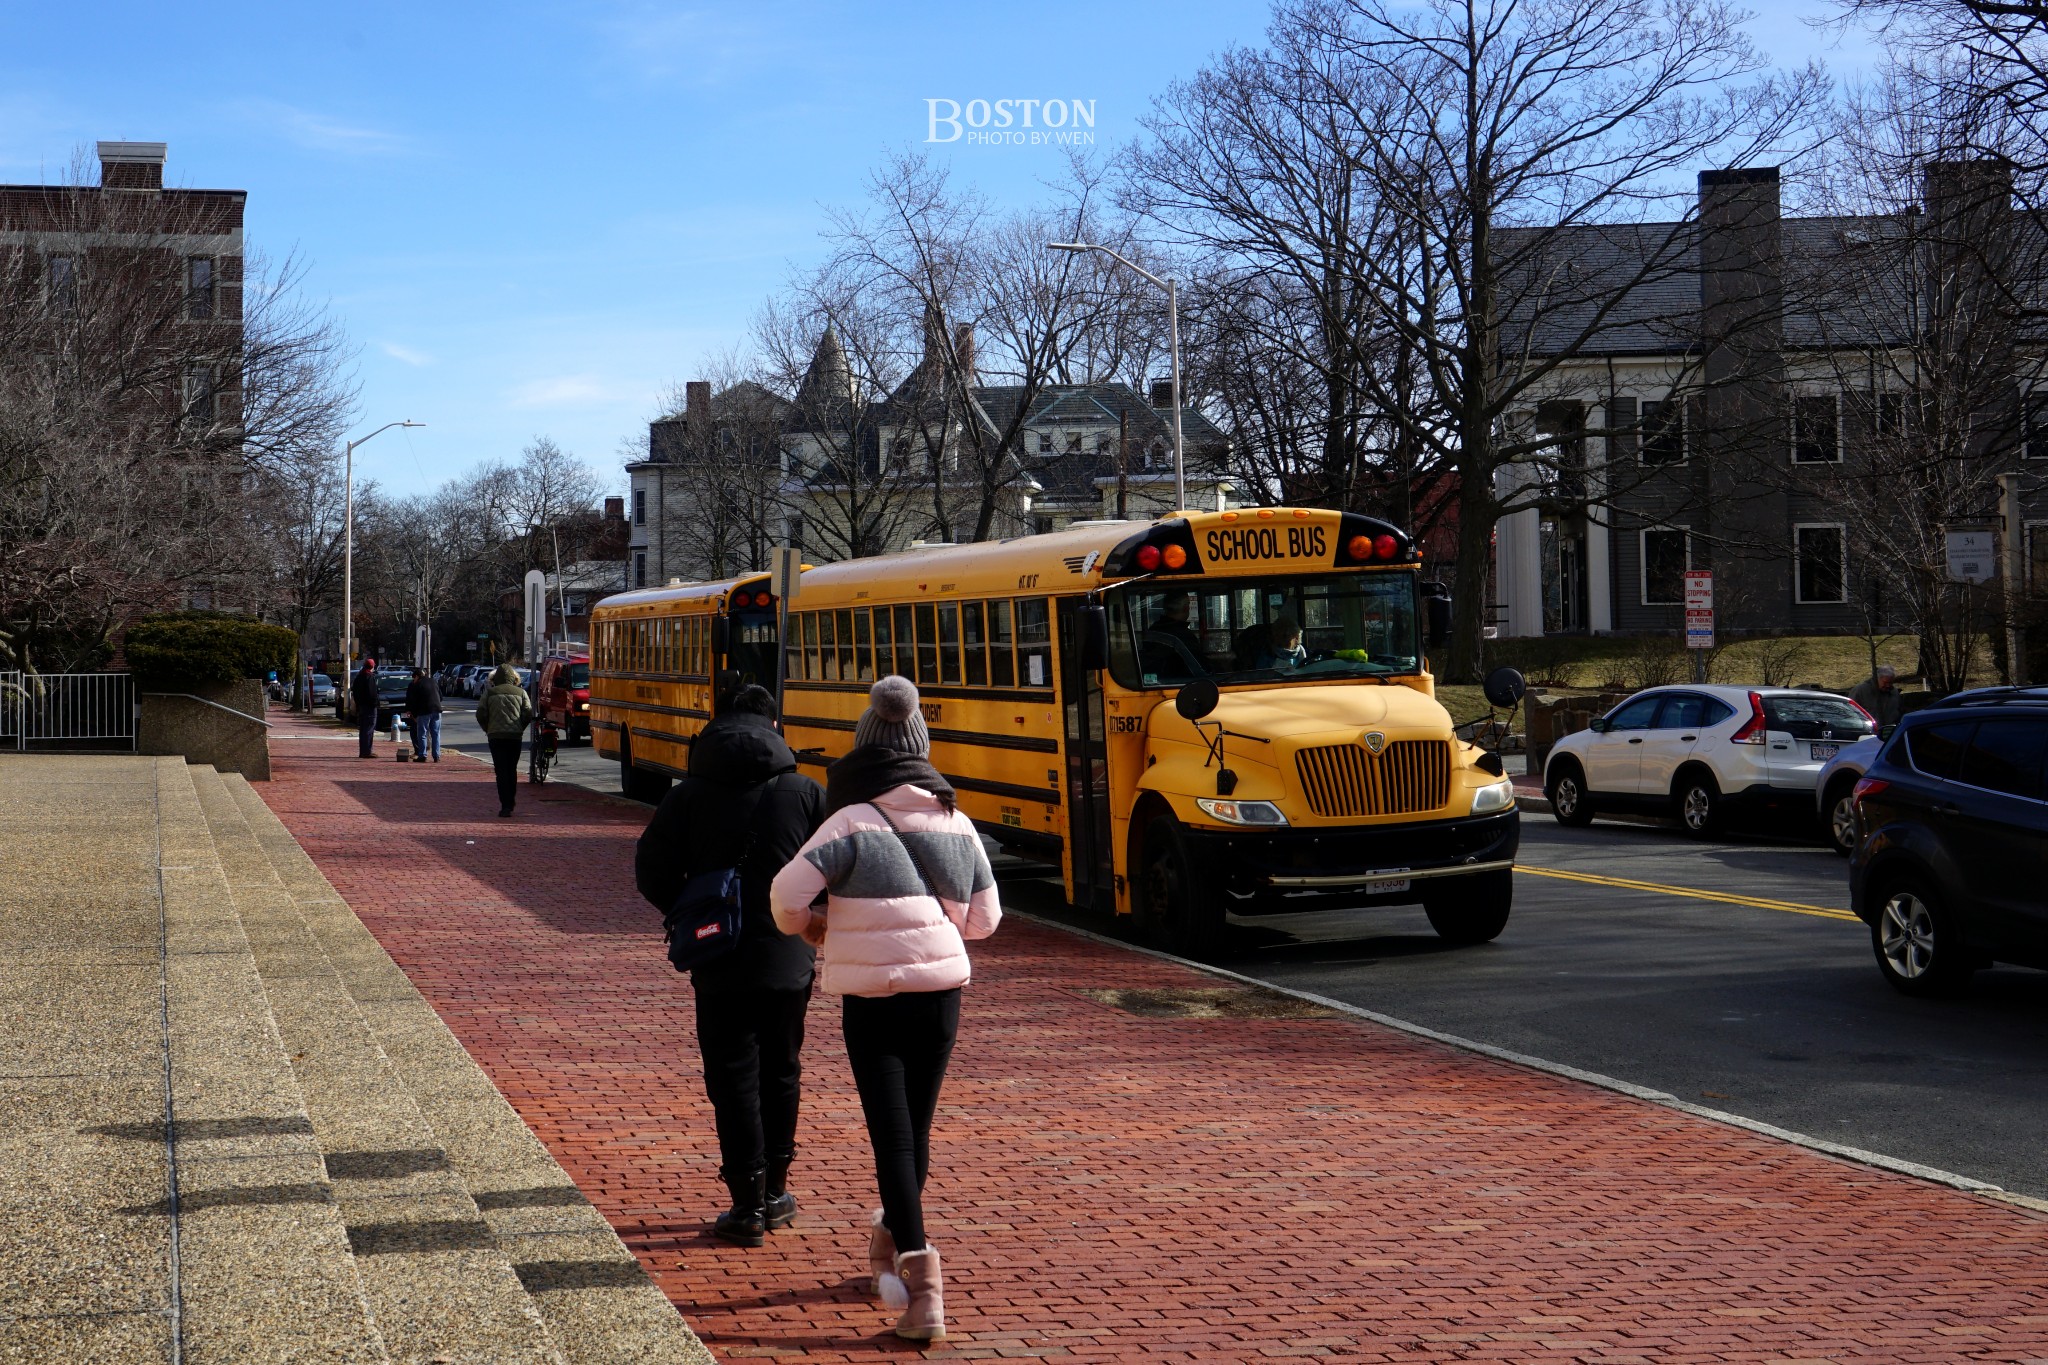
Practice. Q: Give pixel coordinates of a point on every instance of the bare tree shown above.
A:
(1408, 169)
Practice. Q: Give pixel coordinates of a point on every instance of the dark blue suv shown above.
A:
(1951, 831)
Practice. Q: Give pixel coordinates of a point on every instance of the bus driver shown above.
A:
(1171, 645)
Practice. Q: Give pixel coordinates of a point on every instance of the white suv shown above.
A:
(1700, 752)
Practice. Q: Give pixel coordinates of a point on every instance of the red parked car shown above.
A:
(562, 696)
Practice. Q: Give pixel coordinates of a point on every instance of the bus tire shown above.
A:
(1468, 910)
(1183, 916)
(636, 784)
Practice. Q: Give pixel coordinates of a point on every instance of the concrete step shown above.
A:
(599, 1305)
(160, 1192)
(437, 1279)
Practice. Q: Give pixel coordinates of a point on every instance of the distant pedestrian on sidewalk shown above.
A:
(1879, 695)
(908, 883)
(505, 712)
(744, 804)
(362, 695)
(423, 714)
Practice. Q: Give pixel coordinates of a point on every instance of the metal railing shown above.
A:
(43, 711)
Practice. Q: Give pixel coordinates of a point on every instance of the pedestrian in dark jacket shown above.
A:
(362, 695)
(423, 714)
(744, 804)
(505, 712)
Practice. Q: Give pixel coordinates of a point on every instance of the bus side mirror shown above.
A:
(1197, 698)
(1091, 636)
(721, 636)
(1436, 610)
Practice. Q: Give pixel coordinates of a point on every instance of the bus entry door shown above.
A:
(1088, 836)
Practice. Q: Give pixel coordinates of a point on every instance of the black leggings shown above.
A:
(898, 1046)
(505, 763)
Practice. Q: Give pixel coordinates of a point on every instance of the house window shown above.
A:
(199, 288)
(1156, 457)
(639, 507)
(1663, 441)
(639, 568)
(2034, 425)
(61, 283)
(1821, 574)
(199, 395)
(1888, 415)
(1045, 443)
(2037, 554)
(793, 532)
(1074, 443)
(899, 452)
(1667, 554)
(1816, 434)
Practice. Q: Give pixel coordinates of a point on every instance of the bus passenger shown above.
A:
(908, 882)
(1283, 646)
(743, 795)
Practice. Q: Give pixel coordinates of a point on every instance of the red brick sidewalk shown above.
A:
(1112, 1188)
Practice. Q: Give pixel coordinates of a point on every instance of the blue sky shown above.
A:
(532, 219)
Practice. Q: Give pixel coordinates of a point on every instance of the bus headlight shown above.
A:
(1497, 796)
(1243, 812)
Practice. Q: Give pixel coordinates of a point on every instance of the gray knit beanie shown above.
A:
(892, 719)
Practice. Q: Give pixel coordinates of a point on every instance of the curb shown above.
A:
(1840, 1151)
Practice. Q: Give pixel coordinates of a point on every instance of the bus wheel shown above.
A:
(1470, 909)
(1185, 917)
(636, 784)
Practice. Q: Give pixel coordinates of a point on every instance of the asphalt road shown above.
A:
(1730, 974)
(1774, 1011)
(578, 764)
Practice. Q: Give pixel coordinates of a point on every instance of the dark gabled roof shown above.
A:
(824, 401)
(1634, 288)
(1097, 405)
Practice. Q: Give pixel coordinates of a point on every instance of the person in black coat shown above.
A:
(743, 800)
(362, 695)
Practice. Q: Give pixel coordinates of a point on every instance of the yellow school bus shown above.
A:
(654, 658)
(1213, 714)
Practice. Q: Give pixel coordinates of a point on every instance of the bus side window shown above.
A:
(812, 669)
(793, 649)
(927, 644)
(976, 644)
(1034, 643)
(949, 642)
(863, 648)
(885, 635)
(842, 646)
(828, 650)
(904, 664)
(1002, 670)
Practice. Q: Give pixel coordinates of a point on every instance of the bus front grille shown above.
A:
(1408, 776)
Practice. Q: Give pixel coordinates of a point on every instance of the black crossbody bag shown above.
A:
(704, 923)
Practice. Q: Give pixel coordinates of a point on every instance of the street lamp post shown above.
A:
(348, 552)
(1180, 484)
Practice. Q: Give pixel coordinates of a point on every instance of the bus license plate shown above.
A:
(1826, 750)
(1385, 886)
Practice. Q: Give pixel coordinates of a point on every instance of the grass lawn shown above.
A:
(1618, 664)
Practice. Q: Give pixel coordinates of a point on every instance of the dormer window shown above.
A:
(1073, 443)
(1045, 443)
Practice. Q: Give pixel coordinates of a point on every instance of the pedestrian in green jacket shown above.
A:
(505, 712)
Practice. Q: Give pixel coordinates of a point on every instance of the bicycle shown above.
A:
(541, 757)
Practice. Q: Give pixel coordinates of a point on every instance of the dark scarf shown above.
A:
(865, 773)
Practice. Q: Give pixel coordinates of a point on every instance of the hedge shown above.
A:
(184, 649)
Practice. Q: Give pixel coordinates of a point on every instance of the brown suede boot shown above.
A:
(881, 1258)
(925, 1318)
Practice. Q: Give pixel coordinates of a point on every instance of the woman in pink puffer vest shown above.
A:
(906, 884)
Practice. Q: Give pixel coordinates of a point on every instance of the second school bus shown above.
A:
(1308, 765)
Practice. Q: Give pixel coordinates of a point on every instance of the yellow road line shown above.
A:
(1725, 897)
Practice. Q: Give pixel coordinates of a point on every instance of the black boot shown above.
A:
(744, 1224)
(779, 1205)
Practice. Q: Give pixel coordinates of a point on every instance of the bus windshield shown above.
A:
(1280, 629)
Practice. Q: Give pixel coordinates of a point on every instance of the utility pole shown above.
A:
(2012, 564)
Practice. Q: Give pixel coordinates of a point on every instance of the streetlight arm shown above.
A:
(1124, 261)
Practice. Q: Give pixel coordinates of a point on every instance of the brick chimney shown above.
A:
(132, 165)
(1742, 284)
(697, 413)
(614, 509)
(963, 349)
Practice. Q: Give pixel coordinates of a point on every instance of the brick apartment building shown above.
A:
(131, 284)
